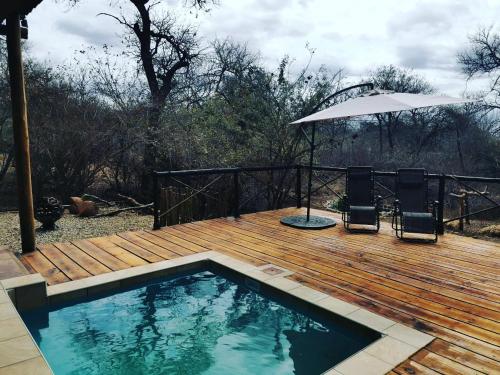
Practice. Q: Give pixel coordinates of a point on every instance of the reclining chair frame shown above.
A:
(373, 202)
(397, 214)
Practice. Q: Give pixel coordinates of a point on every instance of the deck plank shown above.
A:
(458, 354)
(84, 260)
(410, 367)
(149, 246)
(450, 290)
(175, 248)
(131, 247)
(67, 266)
(442, 364)
(106, 258)
(402, 253)
(126, 256)
(39, 263)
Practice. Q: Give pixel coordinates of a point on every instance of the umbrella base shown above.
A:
(315, 222)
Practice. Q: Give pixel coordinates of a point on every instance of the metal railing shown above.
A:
(160, 178)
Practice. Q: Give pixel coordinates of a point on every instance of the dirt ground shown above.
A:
(71, 227)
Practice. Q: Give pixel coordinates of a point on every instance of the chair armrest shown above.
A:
(378, 203)
(397, 206)
(435, 206)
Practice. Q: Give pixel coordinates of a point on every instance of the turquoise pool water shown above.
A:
(203, 323)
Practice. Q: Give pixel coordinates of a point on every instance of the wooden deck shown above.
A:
(450, 290)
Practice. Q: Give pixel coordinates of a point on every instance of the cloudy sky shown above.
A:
(357, 35)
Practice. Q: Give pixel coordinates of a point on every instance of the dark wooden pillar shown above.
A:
(21, 136)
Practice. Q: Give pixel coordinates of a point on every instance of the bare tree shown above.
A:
(400, 80)
(163, 50)
(6, 146)
(482, 58)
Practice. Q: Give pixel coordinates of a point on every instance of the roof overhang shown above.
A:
(23, 7)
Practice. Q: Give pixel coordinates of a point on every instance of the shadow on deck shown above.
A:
(450, 290)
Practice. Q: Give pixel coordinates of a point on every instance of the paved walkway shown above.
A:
(10, 266)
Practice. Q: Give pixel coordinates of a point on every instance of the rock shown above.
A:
(83, 208)
(75, 204)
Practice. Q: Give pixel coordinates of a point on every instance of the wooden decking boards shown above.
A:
(450, 290)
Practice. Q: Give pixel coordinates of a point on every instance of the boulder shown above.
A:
(83, 208)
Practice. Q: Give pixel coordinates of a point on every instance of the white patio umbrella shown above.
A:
(370, 103)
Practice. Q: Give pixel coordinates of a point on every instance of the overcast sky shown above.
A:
(357, 35)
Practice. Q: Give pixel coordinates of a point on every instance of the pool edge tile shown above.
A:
(283, 284)
(363, 363)
(391, 350)
(7, 311)
(371, 320)
(20, 281)
(11, 328)
(308, 294)
(331, 372)
(408, 335)
(32, 366)
(337, 306)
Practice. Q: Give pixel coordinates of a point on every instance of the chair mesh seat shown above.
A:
(364, 215)
(418, 222)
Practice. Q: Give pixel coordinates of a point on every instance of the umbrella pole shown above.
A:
(311, 159)
(308, 221)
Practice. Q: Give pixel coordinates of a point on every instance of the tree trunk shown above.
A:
(459, 149)
(150, 148)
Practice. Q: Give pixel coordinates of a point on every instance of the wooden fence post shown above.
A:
(21, 134)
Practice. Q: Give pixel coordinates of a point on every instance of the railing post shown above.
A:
(236, 187)
(440, 213)
(298, 186)
(156, 204)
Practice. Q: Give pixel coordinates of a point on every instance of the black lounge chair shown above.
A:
(411, 209)
(360, 207)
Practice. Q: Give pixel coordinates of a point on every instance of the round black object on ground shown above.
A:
(315, 222)
(47, 211)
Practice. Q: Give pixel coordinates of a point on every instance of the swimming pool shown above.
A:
(208, 321)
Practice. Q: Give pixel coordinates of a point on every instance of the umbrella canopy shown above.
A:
(380, 101)
(370, 103)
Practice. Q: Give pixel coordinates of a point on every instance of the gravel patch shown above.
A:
(71, 227)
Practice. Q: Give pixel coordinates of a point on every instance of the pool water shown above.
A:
(203, 323)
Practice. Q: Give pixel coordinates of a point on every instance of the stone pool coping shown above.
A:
(19, 353)
(398, 342)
